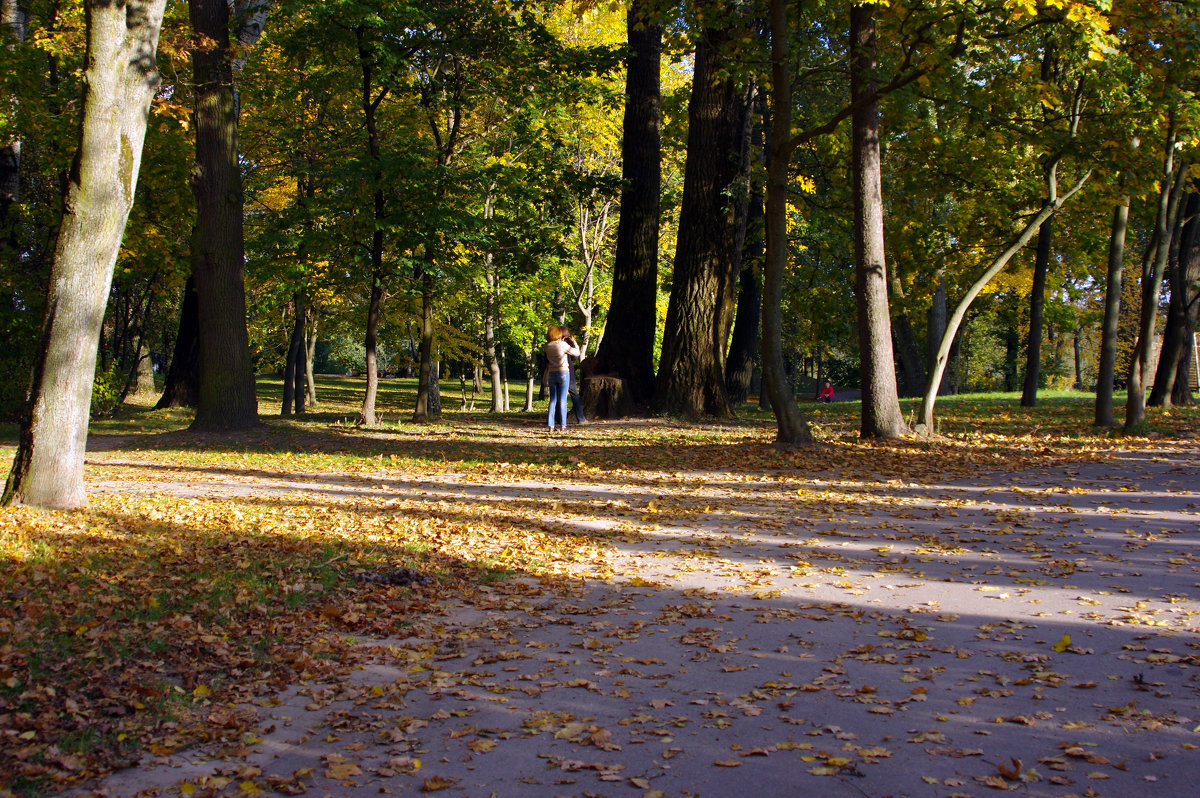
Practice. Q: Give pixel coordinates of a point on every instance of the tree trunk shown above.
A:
(423, 411)
(369, 102)
(530, 373)
(936, 321)
(145, 369)
(627, 348)
(791, 428)
(906, 343)
(310, 356)
(743, 346)
(491, 308)
(1182, 277)
(1152, 277)
(1037, 301)
(293, 370)
(1041, 265)
(691, 371)
(226, 399)
(120, 79)
(881, 416)
(12, 18)
(366, 415)
(1112, 310)
(181, 387)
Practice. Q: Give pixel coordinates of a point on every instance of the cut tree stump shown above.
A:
(604, 396)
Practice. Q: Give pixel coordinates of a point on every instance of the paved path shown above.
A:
(776, 636)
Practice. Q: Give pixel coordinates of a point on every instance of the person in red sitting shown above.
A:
(826, 394)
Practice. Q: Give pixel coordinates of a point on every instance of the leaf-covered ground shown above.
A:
(636, 607)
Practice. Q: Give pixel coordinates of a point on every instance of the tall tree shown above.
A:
(712, 223)
(791, 428)
(1112, 308)
(881, 416)
(1171, 185)
(12, 24)
(627, 348)
(226, 399)
(121, 79)
(1171, 378)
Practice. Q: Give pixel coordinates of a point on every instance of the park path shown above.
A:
(774, 635)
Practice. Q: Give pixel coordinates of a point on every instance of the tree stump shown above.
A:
(604, 396)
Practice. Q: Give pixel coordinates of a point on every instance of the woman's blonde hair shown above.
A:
(554, 333)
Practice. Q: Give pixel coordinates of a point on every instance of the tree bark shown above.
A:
(691, 371)
(310, 356)
(226, 399)
(1112, 310)
(120, 80)
(181, 387)
(1184, 280)
(627, 348)
(906, 342)
(293, 370)
(425, 373)
(881, 416)
(743, 346)
(936, 321)
(1037, 302)
(12, 17)
(791, 428)
(1152, 277)
(369, 101)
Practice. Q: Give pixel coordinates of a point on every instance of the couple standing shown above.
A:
(561, 353)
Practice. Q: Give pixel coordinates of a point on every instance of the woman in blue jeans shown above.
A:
(558, 375)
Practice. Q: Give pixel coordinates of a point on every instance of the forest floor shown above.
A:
(640, 608)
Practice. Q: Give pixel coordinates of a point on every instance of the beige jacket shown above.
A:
(557, 353)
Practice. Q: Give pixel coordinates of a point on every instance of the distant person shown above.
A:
(558, 375)
(573, 389)
(826, 394)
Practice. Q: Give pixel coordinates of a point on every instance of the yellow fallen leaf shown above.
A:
(1063, 644)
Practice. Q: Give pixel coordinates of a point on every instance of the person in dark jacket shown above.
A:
(573, 390)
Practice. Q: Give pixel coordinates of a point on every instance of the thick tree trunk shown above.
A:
(691, 371)
(1112, 310)
(226, 398)
(881, 416)
(1152, 277)
(181, 387)
(120, 79)
(627, 348)
(1037, 302)
(791, 428)
(1183, 276)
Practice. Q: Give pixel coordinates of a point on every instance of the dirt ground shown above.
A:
(769, 634)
